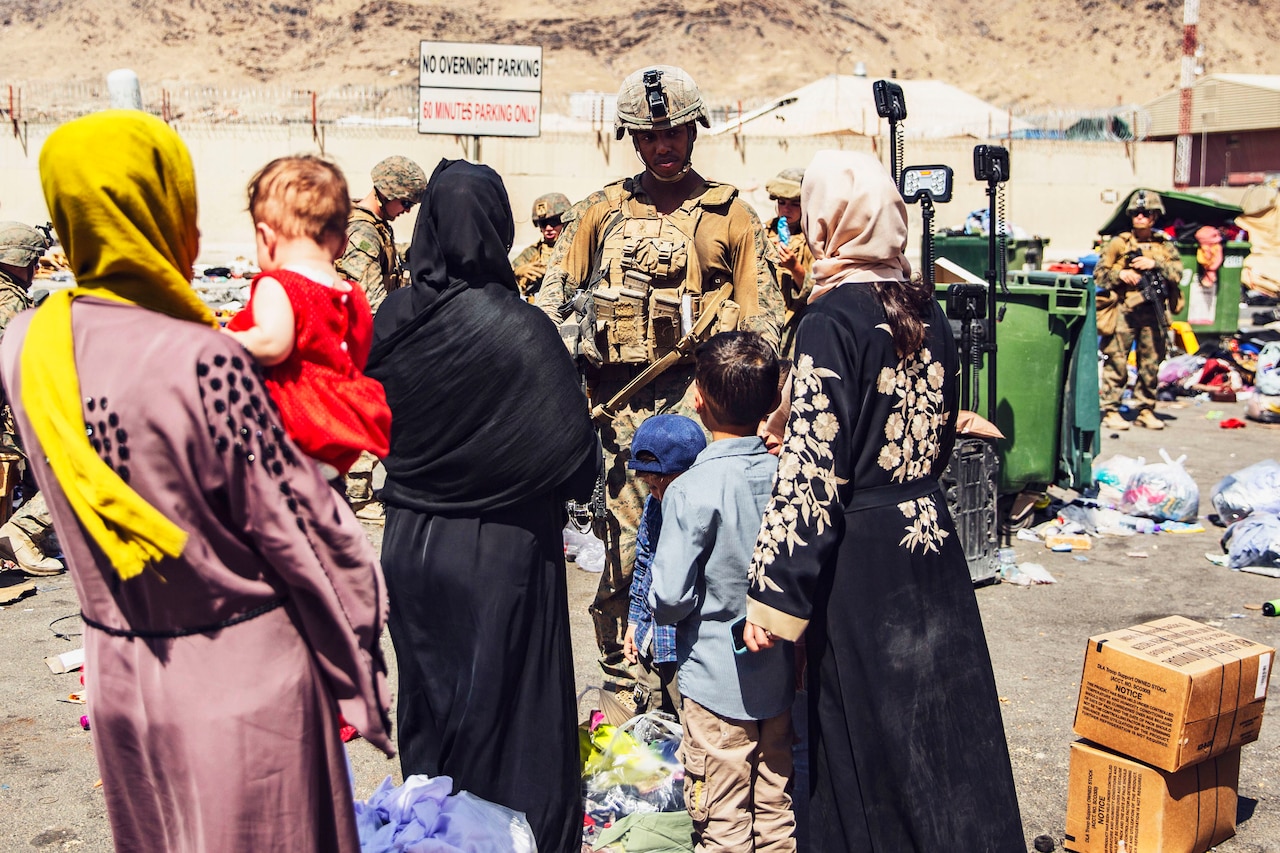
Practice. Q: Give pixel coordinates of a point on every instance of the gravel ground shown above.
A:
(1037, 636)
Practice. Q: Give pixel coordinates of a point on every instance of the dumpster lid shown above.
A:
(1188, 207)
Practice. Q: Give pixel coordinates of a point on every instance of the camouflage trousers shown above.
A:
(672, 392)
(1134, 327)
(33, 519)
(360, 479)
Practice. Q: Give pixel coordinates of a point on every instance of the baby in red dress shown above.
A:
(308, 328)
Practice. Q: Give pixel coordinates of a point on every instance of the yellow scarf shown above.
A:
(120, 189)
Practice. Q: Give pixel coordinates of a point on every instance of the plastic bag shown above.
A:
(1252, 489)
(1267, 377)
(1180, 367)
(1117, 470)
(632, 768)
(422, 815)
(584, 549)
(1254, 541)
(1264, 408)
(1163, 490)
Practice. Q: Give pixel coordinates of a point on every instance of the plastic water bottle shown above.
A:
(784, 231)
(1007, 561)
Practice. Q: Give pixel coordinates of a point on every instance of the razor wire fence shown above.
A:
(53, 102)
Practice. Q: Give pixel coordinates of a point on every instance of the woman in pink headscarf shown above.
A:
(859, 554)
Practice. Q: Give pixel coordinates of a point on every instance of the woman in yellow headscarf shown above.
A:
(232, 603)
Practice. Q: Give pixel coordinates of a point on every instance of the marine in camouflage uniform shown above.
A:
(531, 264)
(729, 246)
(1126, 319)
(797, 283)
(371, 260)
(27, 537)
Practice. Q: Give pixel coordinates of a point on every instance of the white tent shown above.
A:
(845, 104)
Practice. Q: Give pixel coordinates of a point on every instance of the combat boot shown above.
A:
(1147, 418)
(1114, 421)
(17, 547)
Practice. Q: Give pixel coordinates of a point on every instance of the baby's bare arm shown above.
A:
(271, 338)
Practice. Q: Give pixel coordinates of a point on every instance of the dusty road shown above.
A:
(1037, 636)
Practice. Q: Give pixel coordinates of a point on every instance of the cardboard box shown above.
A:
(1172, 692)
(1114, 799)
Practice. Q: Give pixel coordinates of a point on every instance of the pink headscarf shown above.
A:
(854, 219)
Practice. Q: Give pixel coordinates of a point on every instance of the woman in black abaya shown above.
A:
(858, 553)
(490, 435)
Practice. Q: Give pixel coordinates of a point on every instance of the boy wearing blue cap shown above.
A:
(662, 449)
(735, 708)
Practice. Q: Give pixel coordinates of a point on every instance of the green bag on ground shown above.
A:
(648, 832)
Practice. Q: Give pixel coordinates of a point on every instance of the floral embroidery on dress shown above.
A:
(917, 419)
(805, 487)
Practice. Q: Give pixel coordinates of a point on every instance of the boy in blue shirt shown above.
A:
(736, 708)
(662, 449)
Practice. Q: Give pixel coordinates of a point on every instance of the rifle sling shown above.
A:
(606, 412)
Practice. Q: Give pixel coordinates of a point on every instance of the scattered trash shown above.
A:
(1254, 542)
(13, 592)
(1026, 534)
(1137, 555)
(1080, 558)
(1026, 574)
(1180, 527)
(423, 814)
(1163, 490)
(1217, 559)
(1068, 542)
(84, 722)
(1252, 489)
(66, 662)
(584, 549)
(1232, 423)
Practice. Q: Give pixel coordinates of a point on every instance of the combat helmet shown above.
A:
(549, 206)
(21, 245)
(656, 98)
(1145, 200)
(400, 179)
(786, 184)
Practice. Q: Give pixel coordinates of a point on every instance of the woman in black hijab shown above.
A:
(490, 435)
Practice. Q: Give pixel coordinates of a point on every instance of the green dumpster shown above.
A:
(1046, 381)
(970, 252)
(1210, 310)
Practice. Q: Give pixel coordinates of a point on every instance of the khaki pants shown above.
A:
(737, 774)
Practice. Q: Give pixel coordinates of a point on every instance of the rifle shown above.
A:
(1154, 291)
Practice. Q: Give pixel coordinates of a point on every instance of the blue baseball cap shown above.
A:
(673, 441)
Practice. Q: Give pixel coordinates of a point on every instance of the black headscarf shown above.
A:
(486, 407)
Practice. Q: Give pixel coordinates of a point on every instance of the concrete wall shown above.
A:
(1058, 189)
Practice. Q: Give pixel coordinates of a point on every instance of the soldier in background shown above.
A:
(661, 253)
(1126, 317)
(794, 257)
(371, 260)
(531, 264)
(27, 536)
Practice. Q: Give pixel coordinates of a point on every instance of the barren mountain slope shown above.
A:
(1031, 55)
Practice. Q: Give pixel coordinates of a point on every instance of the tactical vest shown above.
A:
(646, 279)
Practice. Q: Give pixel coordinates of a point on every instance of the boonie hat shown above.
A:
(674, 441)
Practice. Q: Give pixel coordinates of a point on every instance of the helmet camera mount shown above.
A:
(653, 95)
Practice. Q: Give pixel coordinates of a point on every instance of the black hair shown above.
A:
(906, 306)
(737, 373)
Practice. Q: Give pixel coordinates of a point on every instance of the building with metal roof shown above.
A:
(1235, 127)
